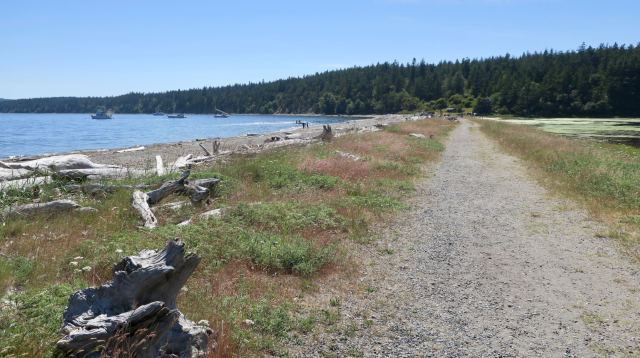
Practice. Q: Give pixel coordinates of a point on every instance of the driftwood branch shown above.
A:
(206, 151)
(135, 313)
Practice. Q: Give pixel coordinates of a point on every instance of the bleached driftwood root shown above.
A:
(197, 190)
(181, 163)
(135, 313)
(141, 205)
(187, 161)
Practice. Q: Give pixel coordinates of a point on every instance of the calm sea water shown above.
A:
(30, 134)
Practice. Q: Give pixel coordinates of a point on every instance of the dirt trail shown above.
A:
(486, 263)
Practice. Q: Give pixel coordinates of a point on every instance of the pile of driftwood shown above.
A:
(135, 314)
(198, 190)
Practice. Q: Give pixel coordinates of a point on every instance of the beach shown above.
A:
(146, 158)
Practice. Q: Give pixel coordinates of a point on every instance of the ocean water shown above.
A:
(34, 134)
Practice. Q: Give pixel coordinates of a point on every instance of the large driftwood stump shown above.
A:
(327, 133)
(135, 314)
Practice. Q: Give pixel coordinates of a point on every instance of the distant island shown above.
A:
(589, 82)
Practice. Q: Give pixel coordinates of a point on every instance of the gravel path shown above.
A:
(486, 263)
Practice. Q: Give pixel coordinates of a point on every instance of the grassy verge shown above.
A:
(288, 213)
(604, 177)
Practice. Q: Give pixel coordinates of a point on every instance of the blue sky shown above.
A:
(95, 48)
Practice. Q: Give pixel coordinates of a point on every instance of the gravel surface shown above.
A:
(486, 263)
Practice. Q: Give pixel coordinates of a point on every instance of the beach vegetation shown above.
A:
(291, 217)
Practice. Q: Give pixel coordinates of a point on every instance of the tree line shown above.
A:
(601, 81)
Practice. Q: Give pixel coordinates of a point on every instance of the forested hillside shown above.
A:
(603, 81)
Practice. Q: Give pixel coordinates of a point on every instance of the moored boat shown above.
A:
(177, 115)
(221, 114)
(158, 114)
(102, 114)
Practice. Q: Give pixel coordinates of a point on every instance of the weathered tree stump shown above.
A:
(327, 133)
(135, 314)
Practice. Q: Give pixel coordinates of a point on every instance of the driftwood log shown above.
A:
(197, 190)
(20, 184)
(13, 174)
(135, 314)
(98, 173)
(39, 208)
(56, 163)
(160, 166)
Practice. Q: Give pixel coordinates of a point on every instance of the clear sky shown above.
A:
(96, 48)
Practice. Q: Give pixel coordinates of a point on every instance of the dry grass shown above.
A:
(605, 178)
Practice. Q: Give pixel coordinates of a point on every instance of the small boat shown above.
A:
(179, 115)
(102, 114)
(158, 114)
(221, 114)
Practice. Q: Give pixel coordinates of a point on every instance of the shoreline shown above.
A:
(170, 151)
